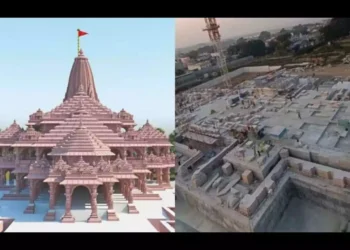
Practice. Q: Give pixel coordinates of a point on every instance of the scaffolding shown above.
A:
(213, 30)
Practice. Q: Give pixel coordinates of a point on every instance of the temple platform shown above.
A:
(81, 212)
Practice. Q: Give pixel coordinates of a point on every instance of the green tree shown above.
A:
(337, 28)
(240, 40)
(172, 137)
(254, 48)
(233, 49)
(161, 130)
(271, 48)
(179, 72)
(300, 29)
(264, 35)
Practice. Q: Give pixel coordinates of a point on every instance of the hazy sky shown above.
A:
(189, 30)
(132, 61)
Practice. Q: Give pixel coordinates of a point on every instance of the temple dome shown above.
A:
(81, 77)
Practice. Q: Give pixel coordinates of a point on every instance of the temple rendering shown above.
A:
(83, 143)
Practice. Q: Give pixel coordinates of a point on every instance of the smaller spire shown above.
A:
(147, 122)
(14, 122)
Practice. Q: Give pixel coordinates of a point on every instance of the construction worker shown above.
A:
(299, 116)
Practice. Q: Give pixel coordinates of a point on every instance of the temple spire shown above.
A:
(81, 77)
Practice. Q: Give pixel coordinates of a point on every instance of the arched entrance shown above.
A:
(80, 198)
(81, 204)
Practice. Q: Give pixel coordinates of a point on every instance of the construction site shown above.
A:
(269, 153)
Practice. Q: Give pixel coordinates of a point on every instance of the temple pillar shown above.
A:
(143, 184)
(38, 154)
(2, 176)
(68, 217)
(17, 156)
(51, 214)
(30, 209)
(124, 153)
(93, 195)
(129, 188)
(144, 154)
(166, 175)
(159, 176)
(111, 214)
(157, 150)
(18, 184)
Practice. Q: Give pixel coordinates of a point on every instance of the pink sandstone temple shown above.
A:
(83, 143)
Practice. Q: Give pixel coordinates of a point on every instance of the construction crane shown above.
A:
(213, 30)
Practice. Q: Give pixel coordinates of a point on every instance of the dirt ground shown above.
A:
(342, 70)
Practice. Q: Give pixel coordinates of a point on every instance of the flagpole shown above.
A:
(78, 41)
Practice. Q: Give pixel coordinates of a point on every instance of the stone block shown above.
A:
(234, 191)
(199, 179)
(221, 186)
(325, 174)
(249, 144)
(242, 189)
(248, 205)
(1, 226)
(308, 170)
(227, 168)
(261, 160)
(217, 182)
(339, 180)
(260, 193)
(284, 153)
(296, 166)
(270, 184)
(232, 201)
(248, 177)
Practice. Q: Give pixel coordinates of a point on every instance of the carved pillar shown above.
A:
(32, 191)
(30, 209)
(53, 194)
(166, 175)
(17, 156)
(2, 177)
(125, 153)
(93, 195)
(159, 176)
(144, 154)
(144, 185)
(38, 153)
(157, 150)
(68, 217)
(129, 188)
(18, 183)
(111, 214)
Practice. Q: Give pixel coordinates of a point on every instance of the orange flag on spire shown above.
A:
(81, 33)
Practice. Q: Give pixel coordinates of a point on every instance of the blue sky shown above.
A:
(132, 60)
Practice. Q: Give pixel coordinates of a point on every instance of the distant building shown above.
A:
(203, 57)
(185, 61)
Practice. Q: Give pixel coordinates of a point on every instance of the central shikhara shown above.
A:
(83, 143)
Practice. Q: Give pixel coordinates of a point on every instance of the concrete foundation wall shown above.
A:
(272, 209)
(326, 196)
(300, 153)
(230, 219)
(207, 167)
